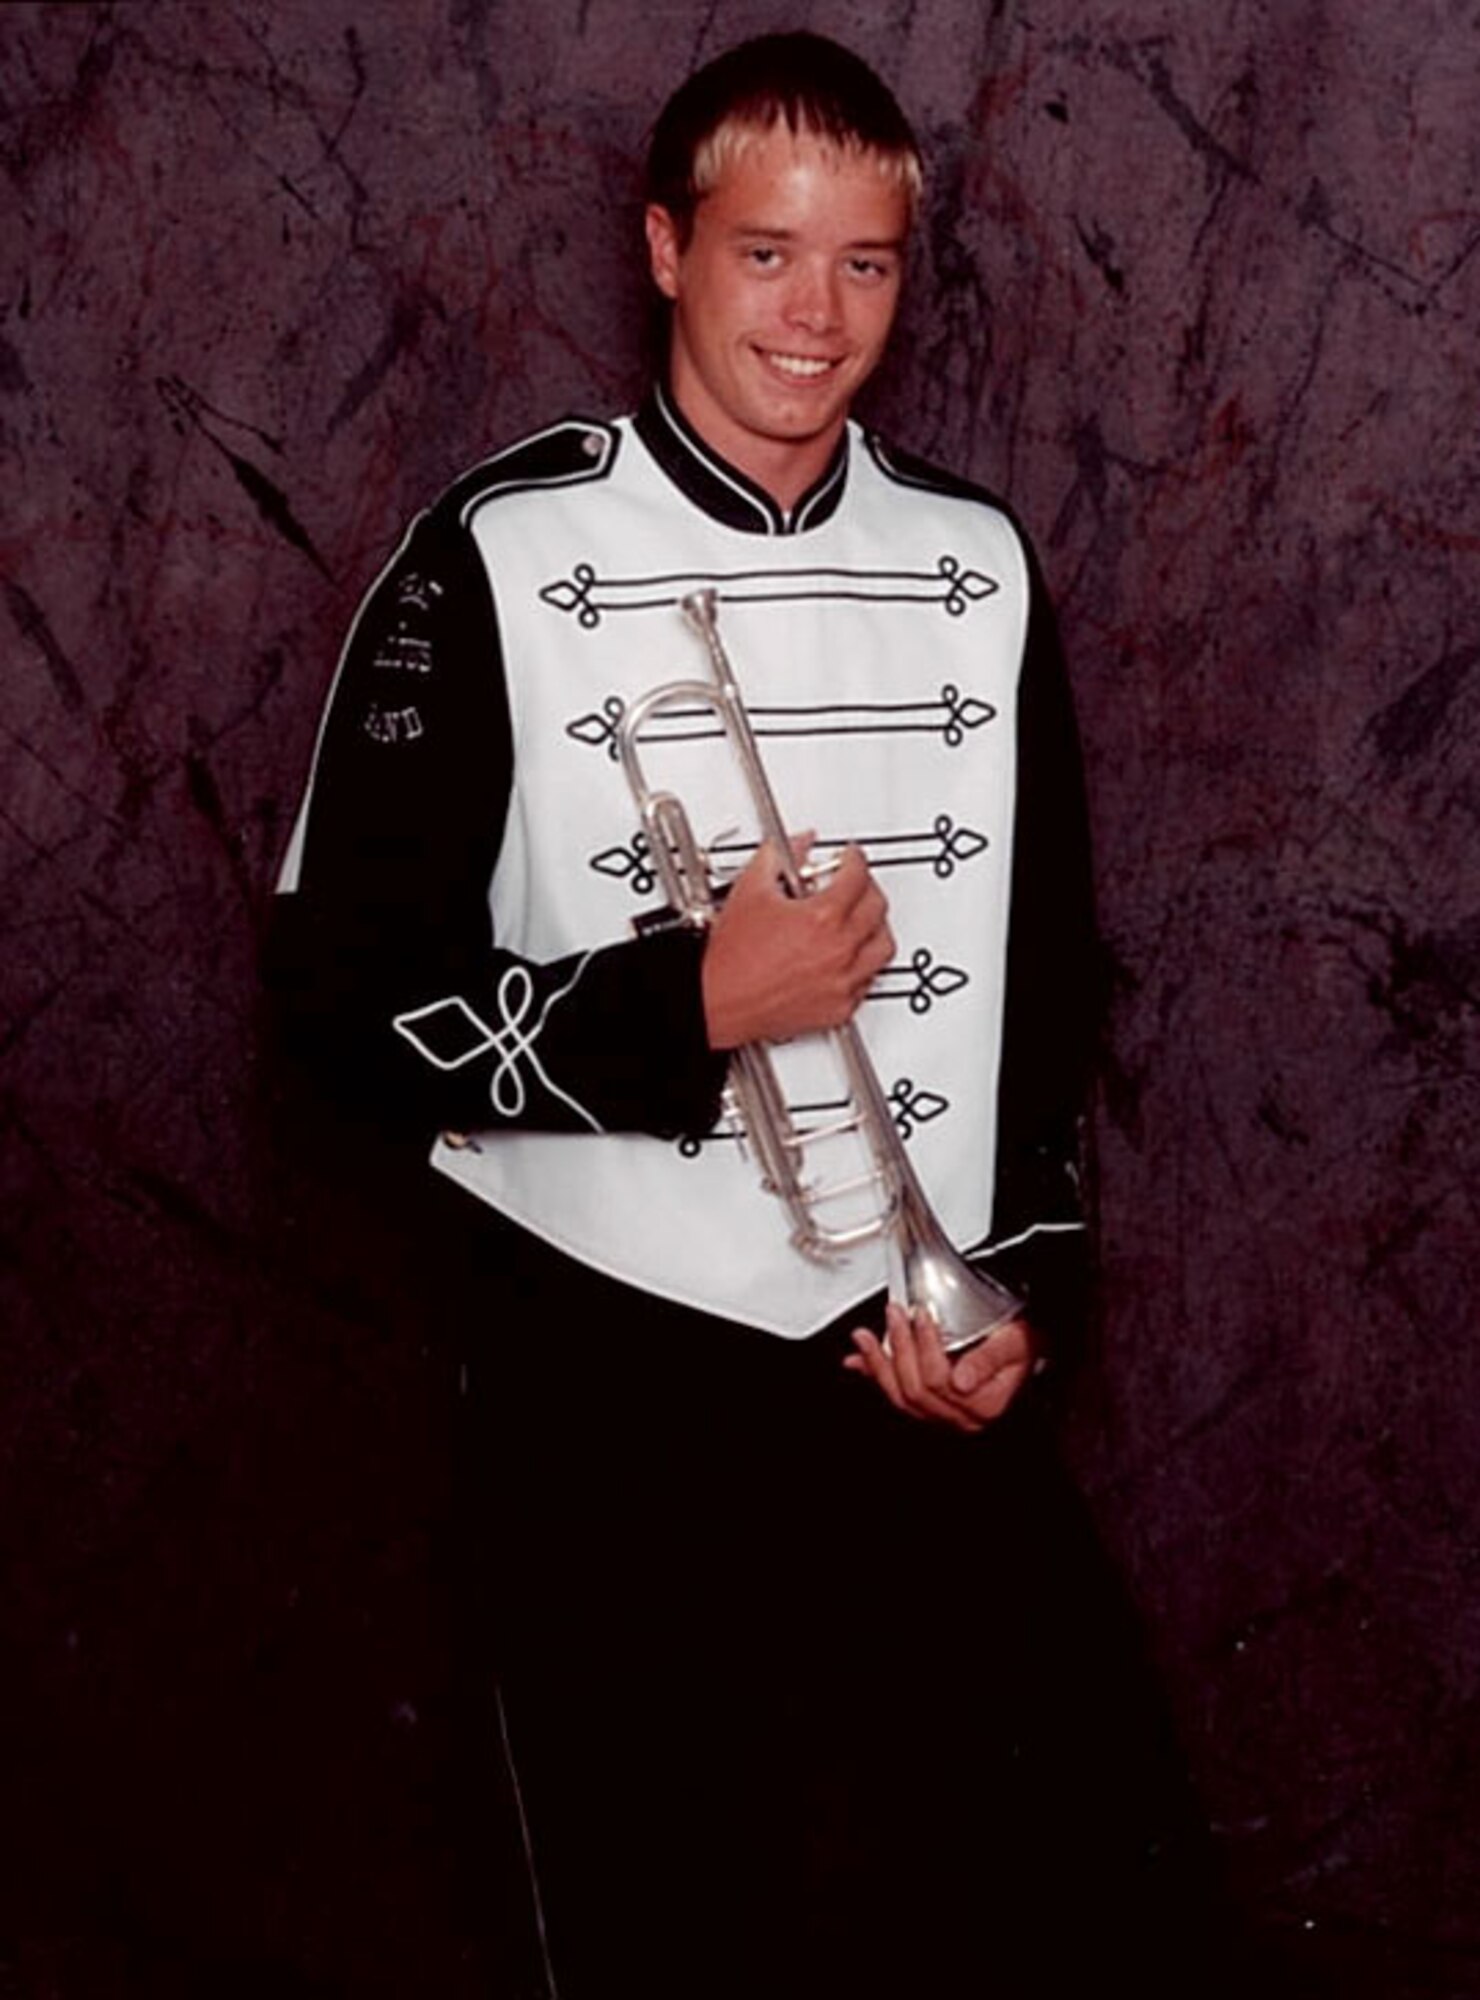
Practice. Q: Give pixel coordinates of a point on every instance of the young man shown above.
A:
(792, 1661)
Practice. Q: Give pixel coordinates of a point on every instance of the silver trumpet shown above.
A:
(924, 1270)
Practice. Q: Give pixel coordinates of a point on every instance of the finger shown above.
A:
(850, 884)
(855, 1363)
(920, 1364)
(921, 1373)
(801, 845)
(1003, 1346)
(770, 863)
(985, 1404)
(854, 911)
(865, 972)
(869, 913)
(880, 1368)
(976, 1367)
(760, 877)
(874, 947)
(935, 1366)
(990, 1376)
(942, 1395)
(879, 1364)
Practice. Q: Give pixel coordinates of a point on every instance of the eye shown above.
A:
(763, 256)
(871, 270)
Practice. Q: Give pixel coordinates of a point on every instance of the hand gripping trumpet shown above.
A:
(924, 1270)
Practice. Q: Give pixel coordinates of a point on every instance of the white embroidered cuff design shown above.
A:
(440, 1033)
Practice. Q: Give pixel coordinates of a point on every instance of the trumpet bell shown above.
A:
(926, 1271)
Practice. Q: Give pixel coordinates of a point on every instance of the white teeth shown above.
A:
(799, 364)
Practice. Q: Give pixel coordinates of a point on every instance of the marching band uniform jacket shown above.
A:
(726, 1571)
(452, 943)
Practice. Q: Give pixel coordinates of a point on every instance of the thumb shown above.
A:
(976, 1366)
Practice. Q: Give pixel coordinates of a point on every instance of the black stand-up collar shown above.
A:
(723, 491)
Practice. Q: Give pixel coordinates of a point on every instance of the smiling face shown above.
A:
(783, 297)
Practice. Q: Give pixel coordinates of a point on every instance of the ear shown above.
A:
(664, 253)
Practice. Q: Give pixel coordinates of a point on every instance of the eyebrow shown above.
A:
(790, 236)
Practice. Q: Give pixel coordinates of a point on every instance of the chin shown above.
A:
(789, 422)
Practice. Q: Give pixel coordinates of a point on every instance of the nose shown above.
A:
(813, 301)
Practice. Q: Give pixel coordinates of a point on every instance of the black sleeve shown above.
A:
(1052, 1013)
(383, 973)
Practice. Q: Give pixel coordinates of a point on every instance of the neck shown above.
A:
(725, 490)
(786, 471)
(785, 468)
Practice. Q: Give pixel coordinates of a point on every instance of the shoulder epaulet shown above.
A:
(566, 454)
(907, 470)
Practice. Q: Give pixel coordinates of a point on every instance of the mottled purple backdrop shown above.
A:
(1196, 286)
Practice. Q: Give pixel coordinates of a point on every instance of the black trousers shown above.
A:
(804, 1697)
